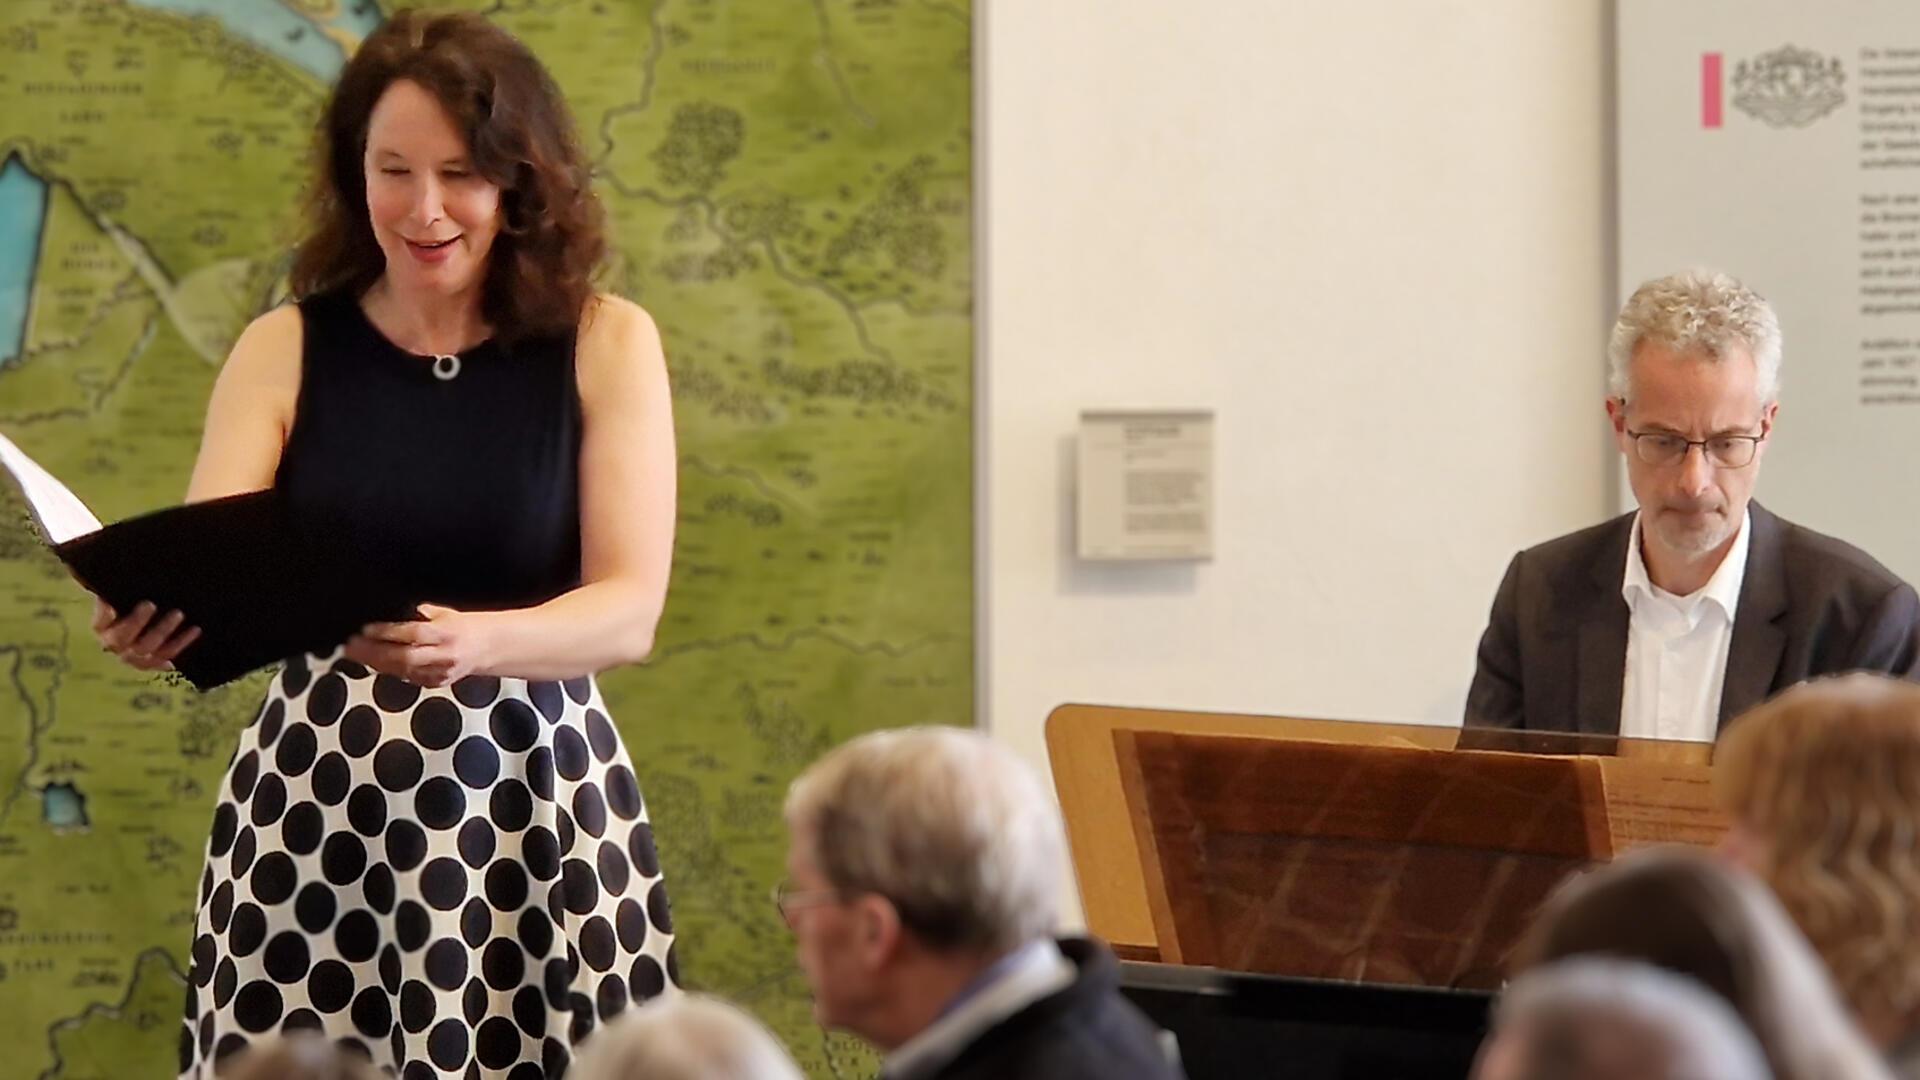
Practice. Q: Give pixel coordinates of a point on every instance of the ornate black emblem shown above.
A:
(1788, 87)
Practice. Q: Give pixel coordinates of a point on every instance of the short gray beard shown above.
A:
(1694, 542)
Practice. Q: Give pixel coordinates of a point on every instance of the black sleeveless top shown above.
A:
(466, 488)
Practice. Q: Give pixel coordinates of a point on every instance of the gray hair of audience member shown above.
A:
(684, 1037)
(1692, 913)
(1599, 1019)
(1697, 311)
(952, 828)
(300, 1056)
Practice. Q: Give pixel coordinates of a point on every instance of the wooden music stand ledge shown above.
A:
(1367, 852)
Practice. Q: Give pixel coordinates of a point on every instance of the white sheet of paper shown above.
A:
(61, 514)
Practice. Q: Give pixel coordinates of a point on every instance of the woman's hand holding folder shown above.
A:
(440, 648)
(139, 638)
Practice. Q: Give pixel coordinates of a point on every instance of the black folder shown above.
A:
(261, 582)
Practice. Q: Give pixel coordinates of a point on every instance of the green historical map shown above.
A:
(788, 185)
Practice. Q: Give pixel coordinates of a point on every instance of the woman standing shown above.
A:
(430, 845)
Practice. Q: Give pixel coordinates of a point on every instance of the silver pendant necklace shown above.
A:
(445, 366)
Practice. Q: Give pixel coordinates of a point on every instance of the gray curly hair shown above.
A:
(949, 825)
(1702, 311)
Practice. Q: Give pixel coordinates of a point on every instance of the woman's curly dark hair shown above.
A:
(521, 138)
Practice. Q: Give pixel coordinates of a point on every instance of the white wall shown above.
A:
(1375, 236)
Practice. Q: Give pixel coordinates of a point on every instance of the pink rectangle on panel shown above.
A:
(1710, 90)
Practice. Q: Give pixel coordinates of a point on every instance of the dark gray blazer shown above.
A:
(1086, 1031)
(1554, 655)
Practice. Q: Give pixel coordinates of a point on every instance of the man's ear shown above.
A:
(1767, 420)
(1617, 418)
(877, 930)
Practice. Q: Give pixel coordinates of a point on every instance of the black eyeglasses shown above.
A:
(1724, 451)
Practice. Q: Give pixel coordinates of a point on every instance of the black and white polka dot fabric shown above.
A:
(453, 883)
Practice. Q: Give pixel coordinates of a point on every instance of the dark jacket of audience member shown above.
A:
(1085, 1032)
(1687, 911)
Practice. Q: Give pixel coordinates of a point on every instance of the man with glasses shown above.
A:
(1665, 622)
(924, 870)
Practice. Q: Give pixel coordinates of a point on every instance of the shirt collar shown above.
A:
(994, 972)
(1035, 970)
(1722, 589)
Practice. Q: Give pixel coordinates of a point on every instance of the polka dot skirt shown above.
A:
(451, 883)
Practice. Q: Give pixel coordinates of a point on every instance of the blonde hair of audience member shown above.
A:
(684, 1037)
(1697, 312)
(1689, 912)
(304, 1056)
(935, 848)
(1599, 1019)
(1823, 783)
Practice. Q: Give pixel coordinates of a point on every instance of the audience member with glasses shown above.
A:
(1665, 622)
(924, 872)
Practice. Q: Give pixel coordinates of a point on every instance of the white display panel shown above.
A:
(1146, 485)
(1779, 141)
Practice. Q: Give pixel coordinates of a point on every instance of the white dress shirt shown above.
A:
(1677, 647)
(1036, 970)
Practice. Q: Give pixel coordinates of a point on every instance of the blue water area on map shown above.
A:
(23, 213)
(276, 27)
(63, 806)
